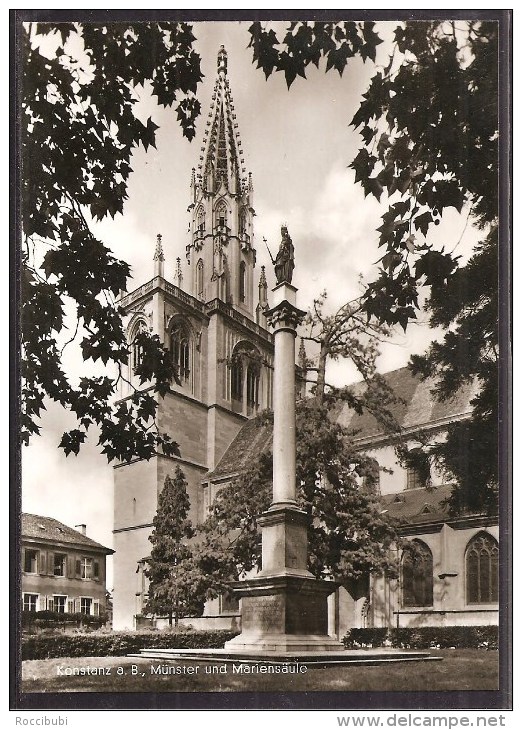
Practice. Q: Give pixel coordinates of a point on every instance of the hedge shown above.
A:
(119, 644)
(426, 637)
(42, 619)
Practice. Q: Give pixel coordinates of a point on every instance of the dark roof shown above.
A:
(50, 530)
(416, 506)
(415, 405)
(253, 439)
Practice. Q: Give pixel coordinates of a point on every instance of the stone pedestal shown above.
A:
(284, 608)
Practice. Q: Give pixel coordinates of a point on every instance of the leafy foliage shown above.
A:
(429, 128)
(79, 128)
(349, 334)
(468, 308)
(170, 565)
(348, 535)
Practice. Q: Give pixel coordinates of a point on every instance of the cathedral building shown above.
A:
(211, 319)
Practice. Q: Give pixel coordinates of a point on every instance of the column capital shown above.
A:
(284, 316)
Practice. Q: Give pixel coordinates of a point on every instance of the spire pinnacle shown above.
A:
(158, 253)
(159, 258)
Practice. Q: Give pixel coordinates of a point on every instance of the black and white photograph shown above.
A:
(262, 444)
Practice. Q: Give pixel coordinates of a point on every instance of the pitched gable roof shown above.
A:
(50, 530)
(415, 506)
(253, 439)
(416, 407)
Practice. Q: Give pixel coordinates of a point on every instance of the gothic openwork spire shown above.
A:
(221, 253)
(221, 160)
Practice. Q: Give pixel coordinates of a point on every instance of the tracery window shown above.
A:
(180, 350)
(252, 388)
(417, 575)
(242, 221)
(136, 355)
(200, 220)
(237, 379)
(482, 569)
(221, 214)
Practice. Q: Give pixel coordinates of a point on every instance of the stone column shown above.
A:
(284, 608)
(284, 318)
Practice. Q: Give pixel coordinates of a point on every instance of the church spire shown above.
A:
(221, 161)
(221, 254)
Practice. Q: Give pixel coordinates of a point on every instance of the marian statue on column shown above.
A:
(284, 261)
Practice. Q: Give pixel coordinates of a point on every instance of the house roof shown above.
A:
(416, 506)
(50, 530)
(415, 405)
(253, 439)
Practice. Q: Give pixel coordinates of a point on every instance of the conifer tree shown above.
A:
(171, 589)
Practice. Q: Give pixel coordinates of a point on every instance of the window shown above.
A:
(482, 569)
(60, 604)
(242, 281)
(417, 575)
(200, 220)
(84, 568)
(252, 388)
(136, 346)
(221, 215)
(86, 606)
(418, 470)
(59, 564)
(199, 279)
(180, 349)
(242, 222)
(31, 561)
(237, 379)
(30, 601)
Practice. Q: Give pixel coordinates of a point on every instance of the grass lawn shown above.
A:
(461, 669)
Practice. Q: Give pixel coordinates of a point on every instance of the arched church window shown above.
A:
(221, 214)
(136, 348)
(237, 379)
(242, 281)
(417, 575)
(242, 221)
(482, 569)
(252, 388)
(200, 220)
(180, 350)
(199, 279)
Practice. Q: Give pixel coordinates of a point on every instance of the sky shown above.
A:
(297, 144)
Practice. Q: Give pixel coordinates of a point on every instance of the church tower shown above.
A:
(215, 332)
(221, 255)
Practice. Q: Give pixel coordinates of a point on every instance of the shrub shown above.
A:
(425, 637)
(119, 644)
(53, 619)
